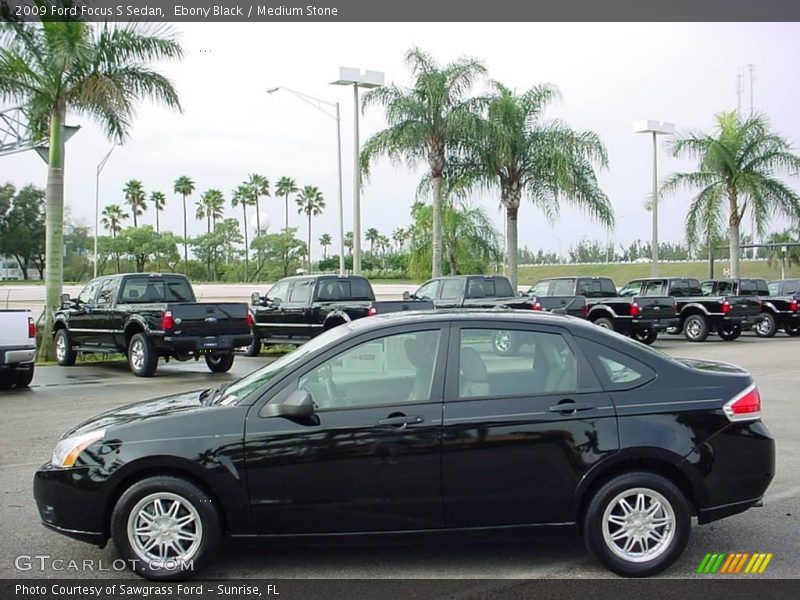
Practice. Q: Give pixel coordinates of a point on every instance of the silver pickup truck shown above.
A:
(17, 348)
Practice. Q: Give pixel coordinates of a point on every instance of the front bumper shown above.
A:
(71, 503)
(210, 343)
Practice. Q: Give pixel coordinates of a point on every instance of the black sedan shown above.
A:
(413, 424)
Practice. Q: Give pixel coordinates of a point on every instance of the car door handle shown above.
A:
(400, 421)
(568, 406)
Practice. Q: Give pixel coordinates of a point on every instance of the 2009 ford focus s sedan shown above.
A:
(415, 423)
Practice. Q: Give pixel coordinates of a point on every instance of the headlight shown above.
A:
(67, 451)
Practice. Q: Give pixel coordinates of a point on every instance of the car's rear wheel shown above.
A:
(646, 337)
(142, 360)
(695, 328)
(793, 331)
(7, 379)
(767, 326)
(25, 376)
(637, 524)
(505, 343)
(254, 349)
(731, 333)
(605, 323)
(65, 353)
(219, 362)
(165, 528)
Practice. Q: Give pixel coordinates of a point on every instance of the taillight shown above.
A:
(167, 322)
(745, 406)
(635, 310)
(726, 307)
(536, 306)
(585, 310)
(675, 308)
(372, 311)
(793, 306)
(250, 321)
(31, 328)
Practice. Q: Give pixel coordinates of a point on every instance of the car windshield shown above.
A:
(247, 385)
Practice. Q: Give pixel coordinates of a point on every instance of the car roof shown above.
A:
(321, 276)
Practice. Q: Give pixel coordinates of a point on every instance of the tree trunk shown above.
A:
(246, 248)
(135, 224)
(185, 236)
(733, 232)
(258, 219)
(453, 264)
(309, 242)
(157, 228)
(436, 241)
(55, 230)
(510, 199)
(287, 213)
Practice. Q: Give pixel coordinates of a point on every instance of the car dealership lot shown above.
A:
(61, 397)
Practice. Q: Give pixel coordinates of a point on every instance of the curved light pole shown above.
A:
(317, 103)
(100, 166)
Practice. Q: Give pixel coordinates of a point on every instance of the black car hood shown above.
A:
(157, 408)
(712, 366)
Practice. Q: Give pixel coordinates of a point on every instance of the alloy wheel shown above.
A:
(137, 355)
(639, 525)
(164, 529)
(61, 347)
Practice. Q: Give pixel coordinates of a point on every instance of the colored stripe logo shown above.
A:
(734, 563)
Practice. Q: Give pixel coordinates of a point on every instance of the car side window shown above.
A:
(545, 364)
(107, 290)
(631, 289)
(427, 291)
(564, 287)
(389, 370)
(301, 292)
(278, 292)
(540, 288)
(451, 289)
(707, 288)
(88, 293)
(617, 371)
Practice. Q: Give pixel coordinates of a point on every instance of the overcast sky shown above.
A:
(609, 75)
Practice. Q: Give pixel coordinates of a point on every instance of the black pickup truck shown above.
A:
(296, 309)
(778, 311)
(470, 291)
(146, 316)
(699, 314)
(596, 299)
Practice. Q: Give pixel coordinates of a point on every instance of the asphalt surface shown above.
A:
(33, 420)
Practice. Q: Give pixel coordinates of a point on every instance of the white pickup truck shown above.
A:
(17, 348)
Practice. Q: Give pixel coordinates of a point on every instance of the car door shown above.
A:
(107, 326)
(81, 319)
(429, 291)
(369, 458)
(451, 291)
(269, 318)
(297, 309)
(520, 430)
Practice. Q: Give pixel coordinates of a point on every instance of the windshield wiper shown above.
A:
(211, 395)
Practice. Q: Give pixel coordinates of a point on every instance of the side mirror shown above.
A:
(406, 295)
(299, 404)
(255, 299)
(65, 301)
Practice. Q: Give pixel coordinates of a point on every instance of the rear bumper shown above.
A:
(653, 324)
(211, 343)
(745, 322)
(787, 319)
(15, 355)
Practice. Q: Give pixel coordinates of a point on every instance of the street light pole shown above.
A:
(316, 103)
(100, 166)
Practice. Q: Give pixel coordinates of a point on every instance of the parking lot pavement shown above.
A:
(61, 397)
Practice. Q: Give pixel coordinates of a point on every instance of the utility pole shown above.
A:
(739, 90)
(751, 70)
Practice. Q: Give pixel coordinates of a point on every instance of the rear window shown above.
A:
(596, 288)
(489, 287)
(329, 290)
(142, 290)
(685, 287)
(753, 287)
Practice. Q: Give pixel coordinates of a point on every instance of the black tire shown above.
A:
(254, 349)
(65, 353)
(695, 328)
(142, 360)
(730, 334)
(218, 362)
(505, 343)
(193, 501)
(25, 376)
(767, 327)
(598, 528)
(8, 378)
(605, 323)
(792, 331)
(645, 337)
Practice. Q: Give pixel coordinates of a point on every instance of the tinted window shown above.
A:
(707, 288)
(653, 288)
(140, 290)
(107, 291)
(616, 370)
(725, 288)
(596, 288)
(388, 370)
(428, 290)
(563, 287)
(632, 289)
(279, 291)
(545, 365)
(774, 289)
(88, 293)
(301, 292)
(753, 287)
(451, 289)
(489, 287)
(540, 288)
(355, 288)
(791, 287)
(693, 287)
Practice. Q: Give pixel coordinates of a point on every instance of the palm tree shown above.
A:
(426, 122)
(259, 186)
(372, 235)
(523, 154)
(400, 236)
(185, 187)
(101, 71)
(135, 198)
(737, 172)
(348, 242)
(285, 187)
(159, 200)
(311, 203)
(211, 207)
(783, 255)
(113, 216)
(325, 241)
(242, 196)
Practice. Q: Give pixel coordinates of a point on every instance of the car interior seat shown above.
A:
(473, 378)
(421, 357)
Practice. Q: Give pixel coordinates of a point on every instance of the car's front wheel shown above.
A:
(767, 326)
(637, 524)
(65, 353)
(165, 528)
(218, 362)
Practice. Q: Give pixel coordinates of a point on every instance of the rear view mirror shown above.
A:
(299, 404)
(255, 299)
(406, 295)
